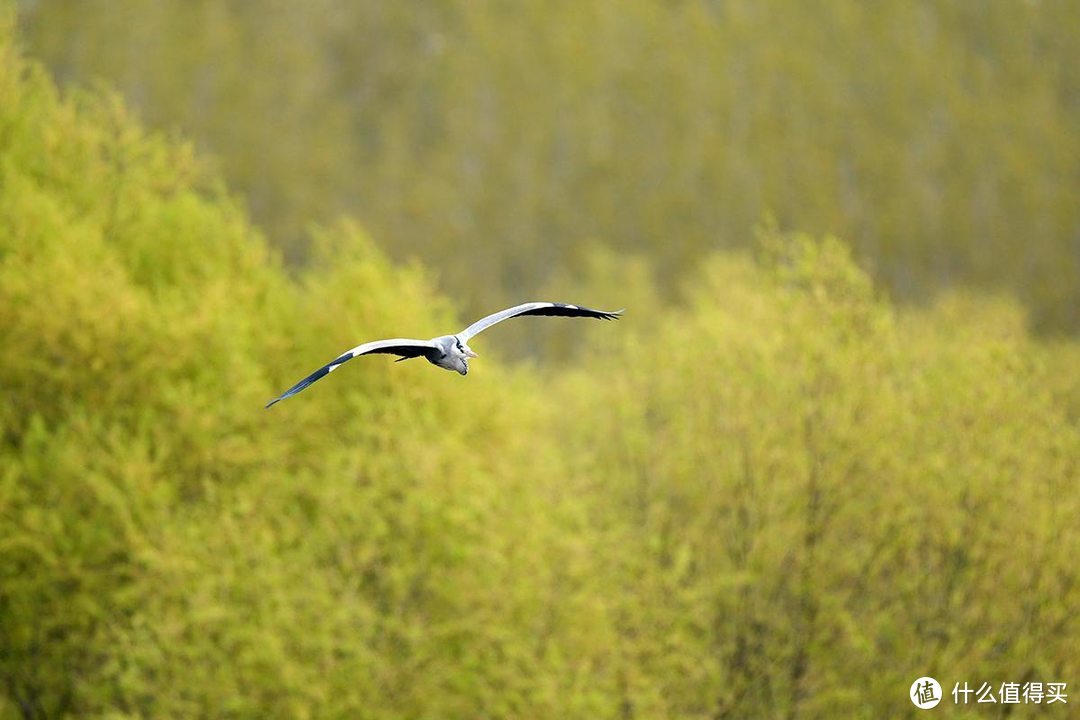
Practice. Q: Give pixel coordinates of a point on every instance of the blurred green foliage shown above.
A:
(498, 141)
(786, 497)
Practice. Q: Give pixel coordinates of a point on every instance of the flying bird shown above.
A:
(450, 352)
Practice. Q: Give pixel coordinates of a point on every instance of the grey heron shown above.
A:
(450, 352)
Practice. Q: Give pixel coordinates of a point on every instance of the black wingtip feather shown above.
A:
(567, 310)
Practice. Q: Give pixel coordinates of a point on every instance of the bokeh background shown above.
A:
(832, 447)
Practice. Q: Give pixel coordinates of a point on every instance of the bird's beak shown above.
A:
(469, 352)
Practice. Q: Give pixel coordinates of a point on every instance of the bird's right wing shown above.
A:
(550, 309)
(398, 346)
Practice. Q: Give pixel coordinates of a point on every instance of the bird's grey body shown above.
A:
(449, 352)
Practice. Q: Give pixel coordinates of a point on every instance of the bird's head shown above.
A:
(465, 349)
(458, 355)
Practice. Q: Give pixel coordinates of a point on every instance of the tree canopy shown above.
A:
(499, 141)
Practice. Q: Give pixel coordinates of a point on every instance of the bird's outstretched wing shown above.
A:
(535, 308)
(398, 346)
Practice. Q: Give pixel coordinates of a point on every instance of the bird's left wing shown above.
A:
(536, 308)
(397, 346)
